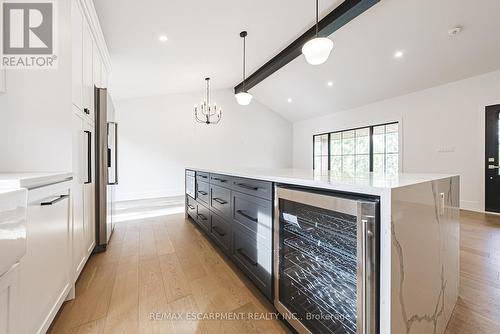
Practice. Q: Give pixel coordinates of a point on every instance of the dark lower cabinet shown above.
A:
(191, 207)
(220, 231)
(236, 214)
(203, 217)
(254, 258)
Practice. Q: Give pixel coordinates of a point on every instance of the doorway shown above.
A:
(492, 170)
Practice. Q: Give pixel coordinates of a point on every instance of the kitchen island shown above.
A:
(398, 276)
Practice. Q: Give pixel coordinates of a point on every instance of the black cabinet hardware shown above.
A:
(246, 186)
(89, 157)
(54, 201)
(202, 176)
(202, 216)
(220, 201)
(218, 179)
(86, 110)
(216, 229)
(190, 207)
(241, 212)
(246, 257)
(202, 192)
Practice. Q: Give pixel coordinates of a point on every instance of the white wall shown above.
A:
(35, 111)
(448, 116)
(158, 138)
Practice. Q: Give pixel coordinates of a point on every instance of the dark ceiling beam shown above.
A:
(337, 18)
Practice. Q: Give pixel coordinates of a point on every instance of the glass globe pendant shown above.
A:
(317, 50)
(243, 98)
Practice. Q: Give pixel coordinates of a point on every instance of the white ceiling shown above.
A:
(203, 40)
(362, 65)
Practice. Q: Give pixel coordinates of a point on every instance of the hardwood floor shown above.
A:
(164, 264)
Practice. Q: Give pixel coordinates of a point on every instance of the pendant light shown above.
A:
(244, 98)
(207, 112)
(318, 49)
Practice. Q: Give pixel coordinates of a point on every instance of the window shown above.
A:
(358, 151)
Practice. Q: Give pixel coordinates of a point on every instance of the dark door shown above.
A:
(492, 159)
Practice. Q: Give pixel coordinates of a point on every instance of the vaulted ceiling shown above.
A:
(203, 40)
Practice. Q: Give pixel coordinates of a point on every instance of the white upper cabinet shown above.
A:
(97, 63)
(77, 54)
(88, 81)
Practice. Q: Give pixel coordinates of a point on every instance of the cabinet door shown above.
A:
(45, 270)
(79, 250)
(88, 83)
(9, 301)
(89, 189)
(97, 66)
(77, 54)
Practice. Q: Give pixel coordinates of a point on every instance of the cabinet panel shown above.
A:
(9, 301)
(202, 192)
(192, 207)
(203, 217)
(220, 200)
(89, 189)
(255, 214)
(77, 54)
(257, 188)
(97, 67)
(45, 275)
(88, 83)
(220, 230)
(79, 160)
(253, 258)
(221, 180)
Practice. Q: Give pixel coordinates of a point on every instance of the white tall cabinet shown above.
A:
(89, 71)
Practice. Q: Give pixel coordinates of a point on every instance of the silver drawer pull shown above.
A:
(202, 192)
(190, 207)
(54, 201)
(202, 216)
(220, 201)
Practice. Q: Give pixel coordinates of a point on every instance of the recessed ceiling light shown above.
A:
(163, 38)
(455, 31)
(329, 83)
(289, 100)
(398, 54)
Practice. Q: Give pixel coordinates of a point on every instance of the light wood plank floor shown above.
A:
(165, 264)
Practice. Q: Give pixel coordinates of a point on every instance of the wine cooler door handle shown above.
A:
(364, 227)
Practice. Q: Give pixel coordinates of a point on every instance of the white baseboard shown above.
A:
(471, 206)
(121, 197)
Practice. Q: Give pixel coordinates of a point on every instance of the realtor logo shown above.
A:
(28, 34)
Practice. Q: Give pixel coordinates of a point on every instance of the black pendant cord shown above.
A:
(244, 61)
(317, 18)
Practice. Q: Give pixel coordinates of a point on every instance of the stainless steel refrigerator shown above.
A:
(106, 167)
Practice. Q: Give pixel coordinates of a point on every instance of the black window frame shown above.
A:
(370, 127)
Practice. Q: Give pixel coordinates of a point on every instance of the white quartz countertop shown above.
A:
(32, 180)
(368, 183)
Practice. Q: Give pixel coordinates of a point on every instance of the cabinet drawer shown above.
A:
(255, 214)
(202, 176)
(257, 188)
(202, 191)
(221, 180)
(191, 207)
(203, 217)
(220, 200)
(220, 230)
(253, 259)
